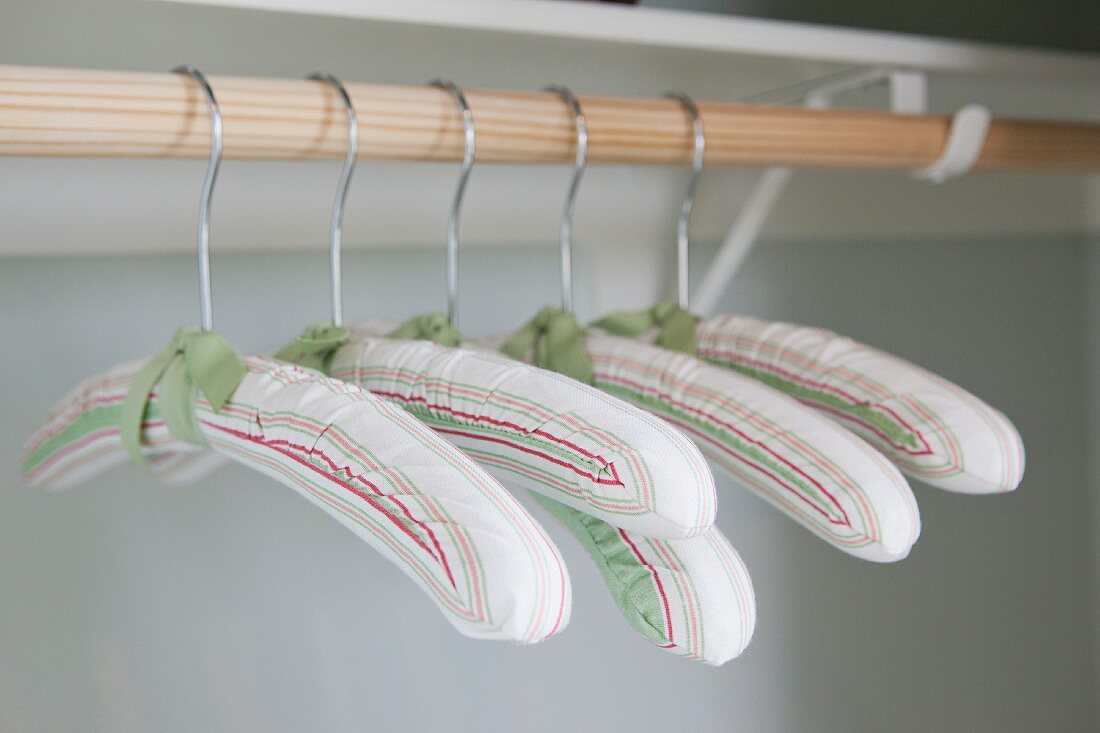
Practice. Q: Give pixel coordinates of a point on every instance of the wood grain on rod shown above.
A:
(70, 112)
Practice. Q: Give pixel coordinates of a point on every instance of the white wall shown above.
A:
(233, 605)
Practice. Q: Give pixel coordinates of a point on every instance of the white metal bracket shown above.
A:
(908, 95)
(964, 145)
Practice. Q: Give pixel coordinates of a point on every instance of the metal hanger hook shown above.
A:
(206, 314)
(336, 272)
(469, 150)
(684, 222)
(580, 162)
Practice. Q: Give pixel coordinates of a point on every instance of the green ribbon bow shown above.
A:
(676, 325)
(432, 327)
(556, 342)
(316, 346)
(194, 361)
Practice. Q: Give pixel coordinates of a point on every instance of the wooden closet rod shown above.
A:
(70, 112)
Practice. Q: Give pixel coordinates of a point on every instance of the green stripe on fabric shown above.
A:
(862, 411)
(684, 582)
(630, 583)
(739, 446)
(88, 421)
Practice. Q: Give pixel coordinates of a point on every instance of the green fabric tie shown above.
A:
(316, 346)
(194, 361)
(556, 342)
(432, 327)
(676, 326)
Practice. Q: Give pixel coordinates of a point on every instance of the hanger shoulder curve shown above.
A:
(548, 433)
(429, 511)
(930, 428)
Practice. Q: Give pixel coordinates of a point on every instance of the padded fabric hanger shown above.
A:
(827, 480)
(450, 527)
(422, 504)
(537, 429)
(930, 428)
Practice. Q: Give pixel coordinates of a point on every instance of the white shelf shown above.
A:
(692, 30)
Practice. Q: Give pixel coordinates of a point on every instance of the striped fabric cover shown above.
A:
(930, 428)
(690, 597)
(546, 432)
(815, 472)
(443, 521)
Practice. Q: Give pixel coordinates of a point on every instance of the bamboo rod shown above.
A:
(69, 112)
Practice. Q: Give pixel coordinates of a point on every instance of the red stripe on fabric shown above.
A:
(531, 451)
(504, 424)
(694, 634)
(945, 434)
(65, 417)
(72, 447)
(278, 446)
(360, 373)
(657, 580)
(90, 437)
(561, 485)
(349, 446)
(363, 518)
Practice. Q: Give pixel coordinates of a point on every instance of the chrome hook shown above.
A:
(580, 162)
(206, 314)
(469, 149)
(684, 221)
(336, 229)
